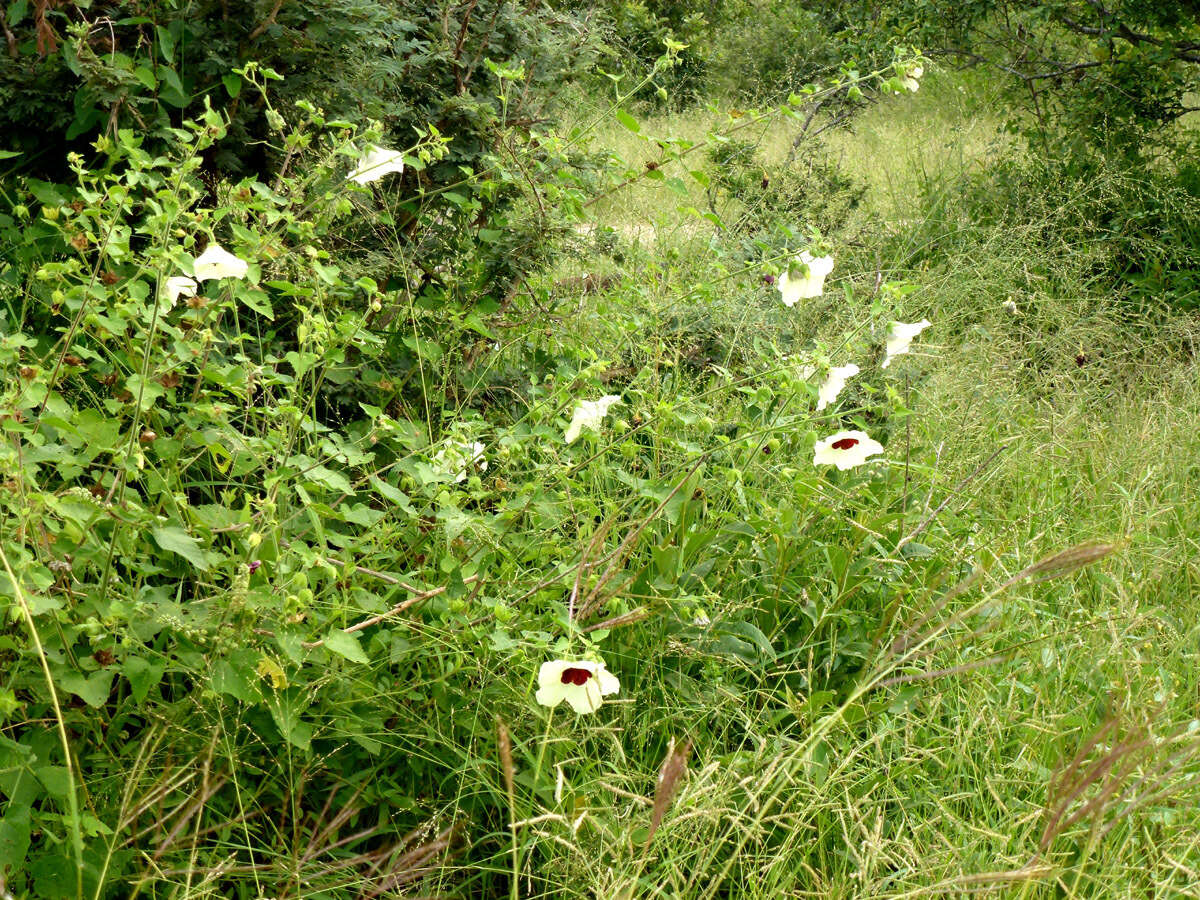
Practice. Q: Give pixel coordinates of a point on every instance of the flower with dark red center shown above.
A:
(582, 683)
(254, 565)
(575, 676)
(846, 450)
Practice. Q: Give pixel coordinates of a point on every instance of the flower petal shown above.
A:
(179, 286)
(589, 414)
(834, 383)
(584, 698)
(846, 450)
(607, 681)
(900, 337)
(375, 163)
(216, 262)
(552, 695)
(808, 285)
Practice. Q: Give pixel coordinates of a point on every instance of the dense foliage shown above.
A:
(310, 469)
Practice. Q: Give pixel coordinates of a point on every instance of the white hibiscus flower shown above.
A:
(900, 337)
(909, 78)
(581, 683)
(215, 262)
(589, 414)
(809, 280)
(375, 163)
(834, 382)
(458, 457)
(178, 286)
(846, 450)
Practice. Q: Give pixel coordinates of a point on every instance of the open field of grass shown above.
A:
(1048, 746)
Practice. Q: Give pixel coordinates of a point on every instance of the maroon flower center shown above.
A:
(575, 676)
(844, 443)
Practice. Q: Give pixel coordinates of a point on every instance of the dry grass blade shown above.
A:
(1064, 562)
(669, 778)
(628, 618)
(1105, 766)
(504, 744)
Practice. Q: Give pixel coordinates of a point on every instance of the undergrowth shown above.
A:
(283, 559)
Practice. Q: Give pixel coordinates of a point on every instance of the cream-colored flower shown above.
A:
(900, 337)
(809, 280)
(375, 163)
(834, 383)
(589, 414)
(846, 450)
(458, 457)
(1010, 307)
(582, 683)
(215, 262)
(909, 78)
(178, 286)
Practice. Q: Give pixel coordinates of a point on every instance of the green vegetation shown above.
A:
(284, 548)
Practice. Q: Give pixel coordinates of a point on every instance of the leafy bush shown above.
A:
(289, 521)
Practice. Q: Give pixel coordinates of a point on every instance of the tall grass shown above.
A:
(1046, 747)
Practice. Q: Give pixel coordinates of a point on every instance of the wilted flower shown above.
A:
(900, 337)
(588, 414)
(910, 78)
(254, 565)
(1009, 306)
(215, 262)
(582, 684)
(375, 163)
(834, 383)
(810, 284)
(179, 286)
(846, 449)
(458, 458)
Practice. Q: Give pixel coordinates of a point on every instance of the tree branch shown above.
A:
(267, 22)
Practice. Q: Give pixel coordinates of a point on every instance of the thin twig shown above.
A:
(398, 608)
(928, 520)
(267, 22)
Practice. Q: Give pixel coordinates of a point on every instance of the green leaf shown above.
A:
(14, 838)
(142, 675)
(55, 779)
(628, 121)
(8, 154)
(233, 84)
(166, 44)
(286, 713)
(749, 633)
(257, 301)
(174, 539)
(16, 11)
(145, 75)
(92, 690)
(346, 645)
(226, 679)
